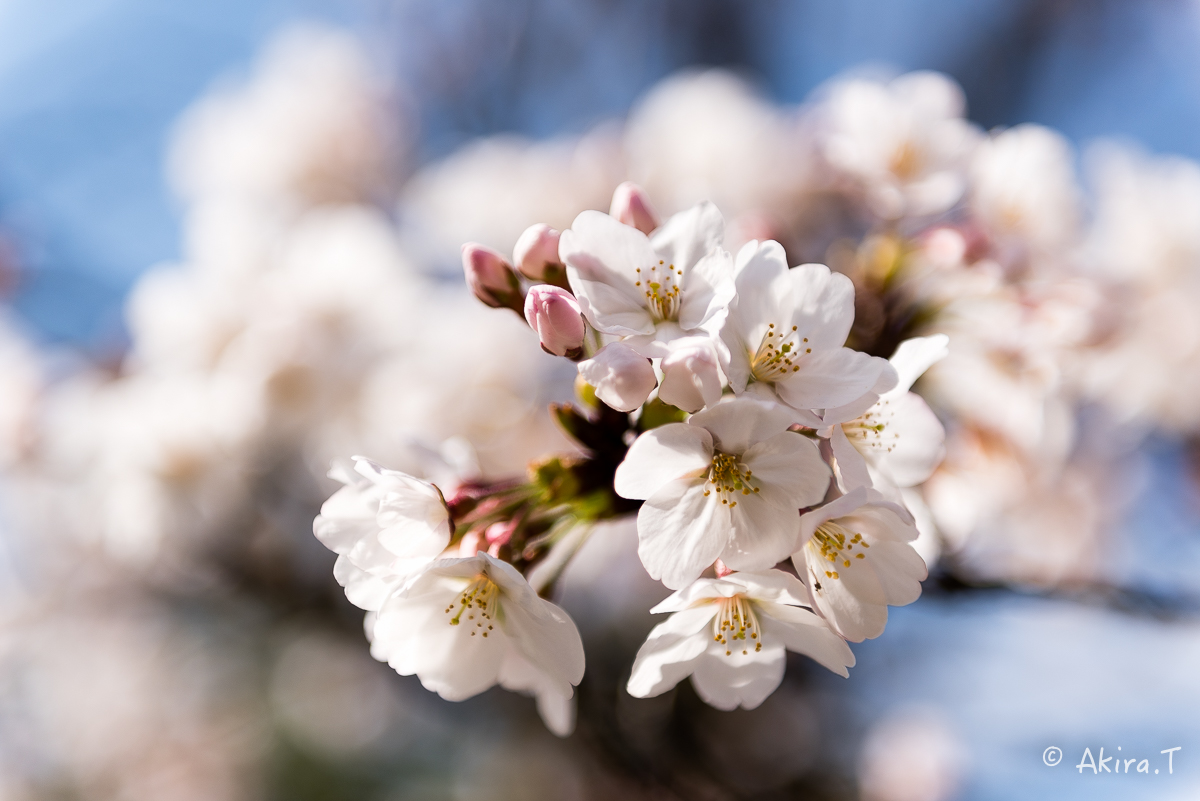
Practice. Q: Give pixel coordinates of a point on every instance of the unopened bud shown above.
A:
(631, 206)
(536, 255)
(491, 278)
(554, 314)
(623, 378)
(691, 378)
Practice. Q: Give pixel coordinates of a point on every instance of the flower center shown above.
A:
(478, 601)
(906, 161)
(729, 478)
(736, 624)
(778, 354)
(833, 543)
(663, 293)
(870, 432)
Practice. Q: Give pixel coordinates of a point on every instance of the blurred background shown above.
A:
(229, 242)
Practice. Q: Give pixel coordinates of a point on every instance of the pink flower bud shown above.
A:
(631, 206)
(554, 314)
(491, 278)
(721, 569)
(536, 254)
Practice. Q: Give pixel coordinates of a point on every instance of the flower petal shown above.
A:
(681, 532)
(623, 379)
(602, 258)
(914, 356)
(738, 679)
(805, 633)
(667, 655)
(662, 455)
(830, 378)
(738, 423)
(824, 305)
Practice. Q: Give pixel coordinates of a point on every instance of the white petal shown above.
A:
(666, 657)
(824, 309)
(557, 709)
(770, 585)
(854, 602)
(918, 441)
(914, 356)
(764, 532)
(707, 291)
(852, 467)
(789, 465)
(738, 423)
(602, 258)
(737, 679)
(550, 641)
(764, 295)
(691, 376)
(623, 379)
(805, 633)
(689, 236)
(681, 532)
(696, 593)
(661, 455)
(830, 378)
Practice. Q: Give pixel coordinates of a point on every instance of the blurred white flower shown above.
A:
(786, 330)
(904, 143)
(385, 526)
(311, 125)
(857, 561)
(726, 485)
(1024, 193)
(731, 636)
(465, 625)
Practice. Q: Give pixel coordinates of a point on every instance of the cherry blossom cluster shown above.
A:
(764, 459)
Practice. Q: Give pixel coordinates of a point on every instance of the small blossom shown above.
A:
(384, 526)
(856, 559)
(725, 485)
(691, 374)
(465, 625)
(786, 330)
(731, 636)
(536, 254)
(554, 314)
(491, 278)
(631, 206)
(891, 440)
(623, 378)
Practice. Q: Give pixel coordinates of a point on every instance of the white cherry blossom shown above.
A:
(731, 636)
(856, 559)
(384, 526)
(893, 440)
(465, 625)
(727, 484)
(905, 143)
(785, 334)
(649, 291)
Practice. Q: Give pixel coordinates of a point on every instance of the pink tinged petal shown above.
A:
(681, 532)
(738, 423)
(623, 378)
(851, 466)
(687, 237)
(914, 356)
(691, 377)
(729, 681)
(536, 250)
(918, 441)
(491, 277)
(662, 455)
(830, 378)
(631, 205)
(603, 257)
(707, 291)
(667, 656)
(824, 306)
(805, 633)
(556, 317)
